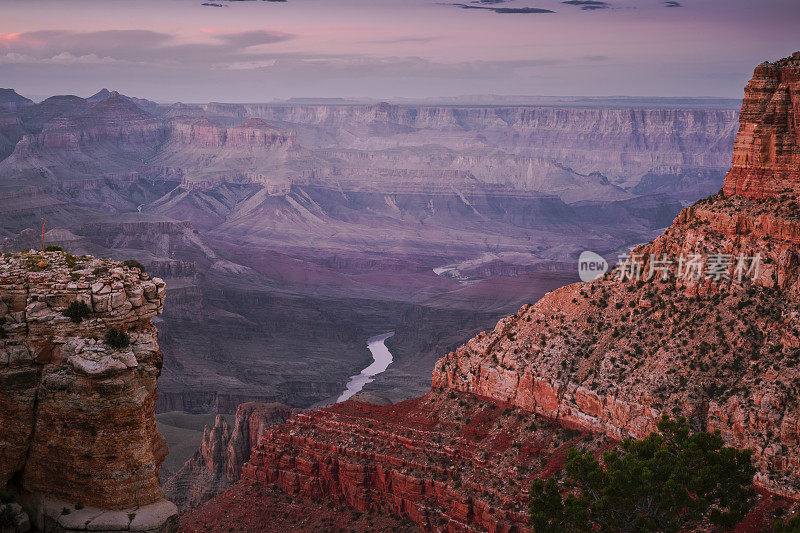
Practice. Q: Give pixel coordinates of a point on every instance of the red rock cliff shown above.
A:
(224, 450)
(766, 158)
(77, 422)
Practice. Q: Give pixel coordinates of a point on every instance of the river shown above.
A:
(381, 359)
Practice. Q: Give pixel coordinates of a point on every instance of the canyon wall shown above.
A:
(78, 437)
(218, 462)
(620, 143)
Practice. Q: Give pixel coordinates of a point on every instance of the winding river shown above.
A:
(382, 358)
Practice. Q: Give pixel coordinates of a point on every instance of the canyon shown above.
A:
(267, 220)
(287, 234)
(585, 366)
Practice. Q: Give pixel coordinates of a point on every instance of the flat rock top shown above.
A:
(73, 272)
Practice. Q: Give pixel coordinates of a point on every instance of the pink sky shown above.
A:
(256, 51)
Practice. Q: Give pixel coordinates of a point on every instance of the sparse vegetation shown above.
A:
(117, 339)
(77, 311)
(133, 263)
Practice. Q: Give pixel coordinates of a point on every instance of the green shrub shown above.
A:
(133, 263)
(52, 248)
(77, 311)
(117, 339)
(669, 481)
(70, 260)
(792, 525)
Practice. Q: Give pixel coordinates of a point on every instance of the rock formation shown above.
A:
(614, 355)
(448, 462)
(718, 342)
(78, 437)
(218, 462)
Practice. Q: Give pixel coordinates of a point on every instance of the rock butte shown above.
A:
(224, 450)
(78, 439)
(607, 357)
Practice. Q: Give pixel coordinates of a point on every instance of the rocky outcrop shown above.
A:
(12, 101)
(615, 354)
(447, 462)
(113, 120)
(766, 158)
(77, 424)
(218, 462)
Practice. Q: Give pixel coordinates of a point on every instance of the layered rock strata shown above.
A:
(448, 462)
(721, 346)
(77, 424)
(224, 450)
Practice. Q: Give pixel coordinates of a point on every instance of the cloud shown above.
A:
(137, 47)
(247, 39)
(522, 10)
(251, 65)
(64, 58)
(400, 40)
(672, 3)
(588, 5)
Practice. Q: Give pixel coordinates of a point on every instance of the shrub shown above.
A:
(52, 248)
(117, 339)
(70, 260)
(7, 518)
(77, 311)
(792, 525)
(668, 481)
(133, 263)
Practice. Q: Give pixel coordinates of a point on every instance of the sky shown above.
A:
(262, 50)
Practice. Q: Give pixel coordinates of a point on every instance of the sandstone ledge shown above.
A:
(52, 515)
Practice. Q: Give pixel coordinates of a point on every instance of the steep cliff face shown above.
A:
(623, 144)
(218, 462)
(77, 422)
(766, 158)
(615, 354)
(251, 133)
